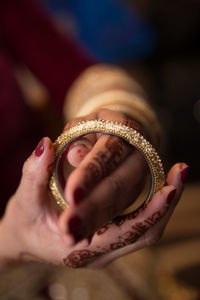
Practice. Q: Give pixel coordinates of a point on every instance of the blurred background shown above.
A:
(159, 44)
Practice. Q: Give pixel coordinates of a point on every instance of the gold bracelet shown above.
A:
(130, 135)
(124, 102)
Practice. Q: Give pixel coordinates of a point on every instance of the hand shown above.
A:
(109, 176)
(33, 229)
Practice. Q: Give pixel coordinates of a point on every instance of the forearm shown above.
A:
(111, 87)
(10, 247)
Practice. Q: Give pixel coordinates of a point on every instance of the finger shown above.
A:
(80, 148)
(122, 236)
(96, 170)
(105, 157)
(177, 177)
(35, 174)
(107, 200)
(137, 223)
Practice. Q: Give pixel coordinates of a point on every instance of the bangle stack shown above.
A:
(110, 87)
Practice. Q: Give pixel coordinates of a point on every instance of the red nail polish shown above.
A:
(78, 195)
(184, 174)
(171, 196)
(40, 148)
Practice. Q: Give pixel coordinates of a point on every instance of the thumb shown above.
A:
(35, 174)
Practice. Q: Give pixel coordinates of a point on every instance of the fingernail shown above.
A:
(171, 196)
(184, 174)
(40, 148)
(78, 195)
(75, 228)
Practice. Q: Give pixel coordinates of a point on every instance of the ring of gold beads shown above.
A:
(130, 135)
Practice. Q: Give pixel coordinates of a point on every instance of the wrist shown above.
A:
(109, 87)
(10, 246)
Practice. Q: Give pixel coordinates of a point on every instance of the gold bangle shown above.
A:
(130, 135)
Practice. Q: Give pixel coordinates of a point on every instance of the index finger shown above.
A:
(104, 158)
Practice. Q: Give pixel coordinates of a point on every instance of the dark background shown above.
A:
(158, 42)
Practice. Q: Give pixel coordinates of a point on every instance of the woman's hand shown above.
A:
(32, 227)
(109, 176)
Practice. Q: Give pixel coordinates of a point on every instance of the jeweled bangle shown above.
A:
(130, 135)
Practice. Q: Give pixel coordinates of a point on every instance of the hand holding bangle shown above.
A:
(130, 135)
(44, 234)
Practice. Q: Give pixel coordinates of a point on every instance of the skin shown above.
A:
(34, 229)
